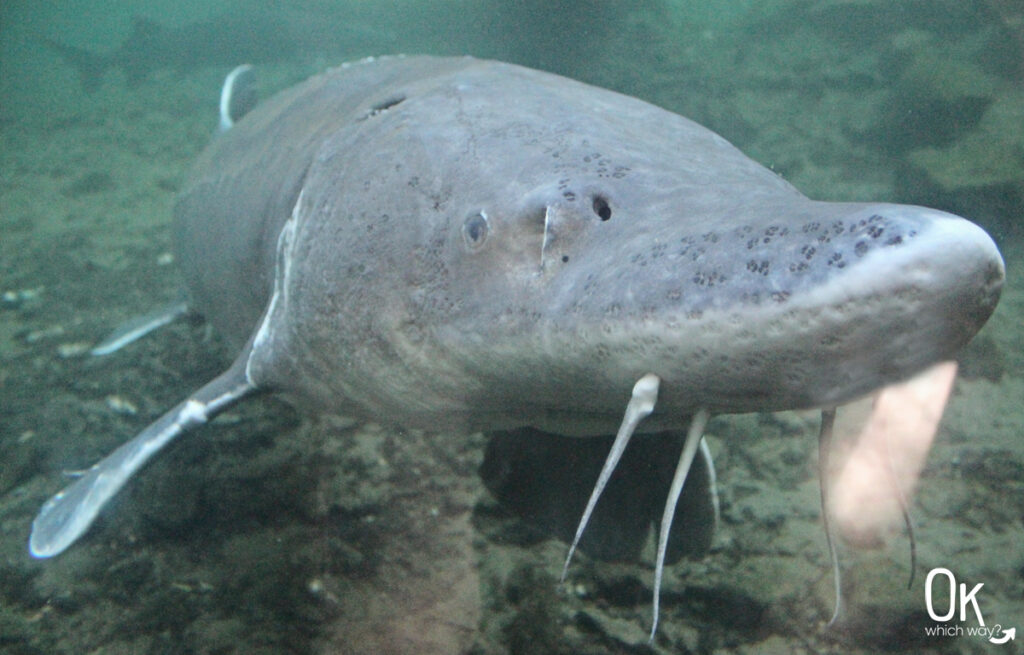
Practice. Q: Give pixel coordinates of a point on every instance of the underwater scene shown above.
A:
(422, 403)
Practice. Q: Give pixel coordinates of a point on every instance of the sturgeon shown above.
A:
(451, 243)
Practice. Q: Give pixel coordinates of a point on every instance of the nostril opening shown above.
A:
(601, 208)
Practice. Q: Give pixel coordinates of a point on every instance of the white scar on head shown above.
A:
(886, 459)
(544, 241)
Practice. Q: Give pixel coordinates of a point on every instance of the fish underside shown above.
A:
(446, 243)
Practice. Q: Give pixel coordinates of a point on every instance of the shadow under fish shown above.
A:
(546, 479)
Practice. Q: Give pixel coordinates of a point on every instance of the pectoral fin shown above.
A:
(67, 515)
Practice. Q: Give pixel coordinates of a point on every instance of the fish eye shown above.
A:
(475, 229)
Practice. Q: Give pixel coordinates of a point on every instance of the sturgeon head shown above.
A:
(502, 248)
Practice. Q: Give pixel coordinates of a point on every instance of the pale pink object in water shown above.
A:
(886, 459)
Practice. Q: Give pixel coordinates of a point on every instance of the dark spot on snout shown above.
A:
(709, 278)
(762, 267)
(601, 208)
(836, 259)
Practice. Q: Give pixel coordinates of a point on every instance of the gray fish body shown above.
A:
(455, 243)
(619, 239)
